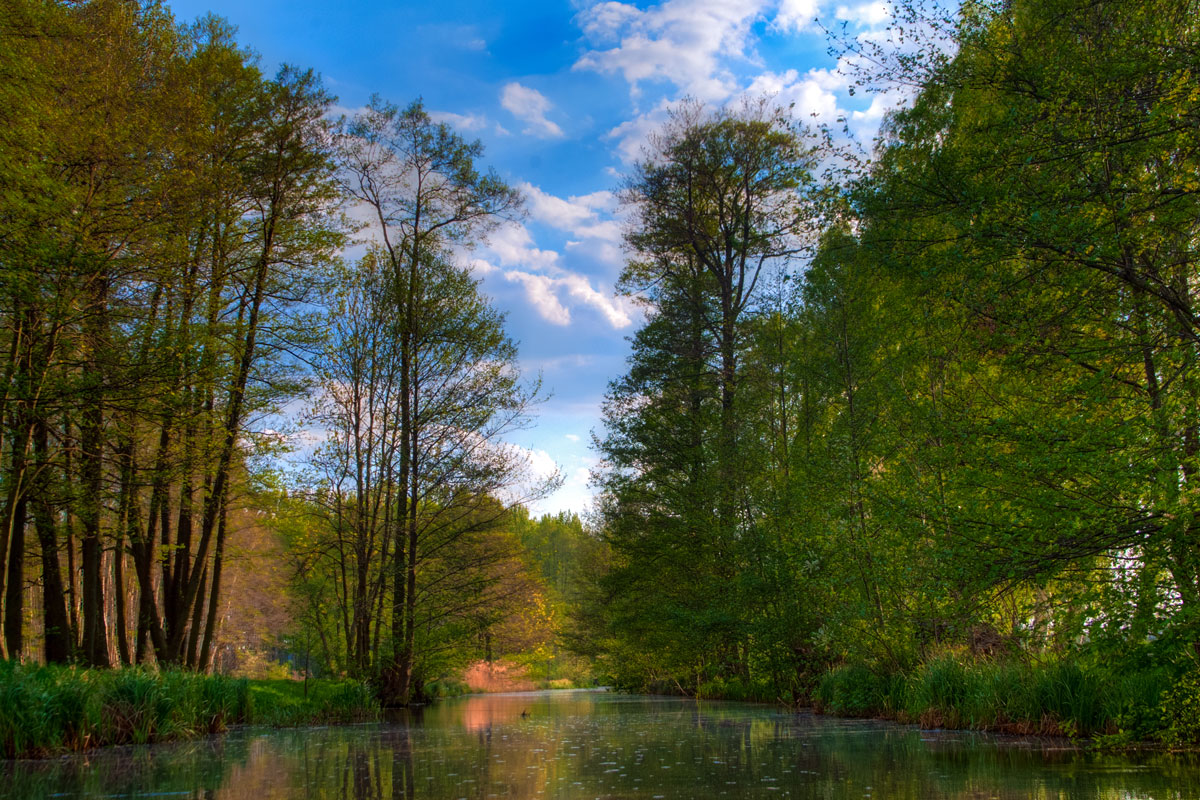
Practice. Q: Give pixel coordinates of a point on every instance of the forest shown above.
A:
(908, 432)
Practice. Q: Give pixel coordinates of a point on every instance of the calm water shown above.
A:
(574, 745)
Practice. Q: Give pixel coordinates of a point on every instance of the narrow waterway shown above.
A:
(575, 745)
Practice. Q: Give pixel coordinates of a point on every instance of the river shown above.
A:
(576, 745)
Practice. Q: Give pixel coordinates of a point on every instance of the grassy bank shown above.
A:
(1058, 698)
(283, 703)
(48, 709)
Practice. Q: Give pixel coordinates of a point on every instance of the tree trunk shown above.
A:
(57, 625)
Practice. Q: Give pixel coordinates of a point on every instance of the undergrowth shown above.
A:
(51, 709)
(1055, 698)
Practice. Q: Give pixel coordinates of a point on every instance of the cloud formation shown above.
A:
(679, 41)
(549, 287)
(530, 106)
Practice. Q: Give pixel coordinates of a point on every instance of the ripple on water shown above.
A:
(576, 745)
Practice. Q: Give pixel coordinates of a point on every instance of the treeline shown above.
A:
(501, 588)
(176, 280)
(165, 209)
(966, 421)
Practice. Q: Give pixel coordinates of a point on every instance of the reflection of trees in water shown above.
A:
(190, 770)
(403, 781)
(570, 750)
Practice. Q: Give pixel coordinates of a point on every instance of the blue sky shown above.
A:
(562, 94)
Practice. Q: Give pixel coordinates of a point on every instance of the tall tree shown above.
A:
(721, 199)
(458, 390)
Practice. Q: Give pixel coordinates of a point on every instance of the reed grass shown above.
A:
(286, 703)
(1061, 698)
(52, 709)
(737, 689)
(48, 709)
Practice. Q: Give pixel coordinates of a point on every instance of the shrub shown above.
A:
(854, 690)
(737, 689)
(1181, 711)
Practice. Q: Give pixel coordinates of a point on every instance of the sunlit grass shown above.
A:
(50, 709)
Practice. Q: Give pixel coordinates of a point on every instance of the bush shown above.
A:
(737, 689)
(446, 687)
(1181, 711)
(854, 691)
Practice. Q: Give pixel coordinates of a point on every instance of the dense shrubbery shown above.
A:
(49, 709)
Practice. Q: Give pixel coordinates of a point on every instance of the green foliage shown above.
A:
(1058, 697)
(853, 690)
(738, 689)
(1181, 711)
(46, 709)
(957, 453)
(289, 703)
(446, 687)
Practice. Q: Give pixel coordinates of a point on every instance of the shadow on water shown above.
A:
(574, 745)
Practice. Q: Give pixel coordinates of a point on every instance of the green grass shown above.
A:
(51, 709)
(44, 709)
(737, 689)
(1062, 698)
(282, 703)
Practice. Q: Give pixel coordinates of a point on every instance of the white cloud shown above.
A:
(586, 216)
(460, 122)
(545, 293)
(513, 246)
(541, 463)
(679, 41)
(574, 494)
(807, 95)
(531, 106)
(632, 134)
(480, 267)
(866, 14)
(540, 292)
(567, 214)
(571, 437)
(535, 467)
(797, 15)
(614, 309)
(548, 286)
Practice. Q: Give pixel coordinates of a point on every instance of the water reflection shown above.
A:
(591, 745)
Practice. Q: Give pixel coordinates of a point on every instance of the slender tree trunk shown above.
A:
(214, 602)
(12, 535)
(14, 595)
(95, 637)
(194, 628)
(57, 626)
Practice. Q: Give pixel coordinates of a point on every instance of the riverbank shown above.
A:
(1111, 708)
(46, 710)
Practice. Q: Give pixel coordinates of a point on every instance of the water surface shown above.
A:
(577, 745)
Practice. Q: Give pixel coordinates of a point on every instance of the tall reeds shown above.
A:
(47, 709)
(51, 709)
(1049, 698)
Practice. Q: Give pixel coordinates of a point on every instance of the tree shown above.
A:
(146, 305)
(457, 388)
(721, 199)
